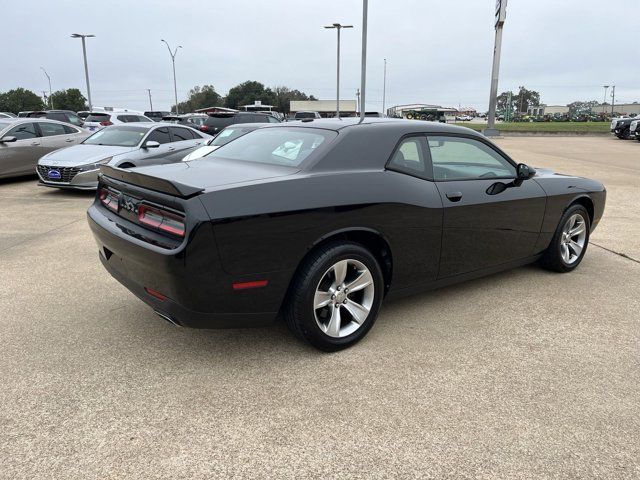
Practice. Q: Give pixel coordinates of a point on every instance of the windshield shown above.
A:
(275, 146)
(228, 134)
(117, 136)
(305, 115)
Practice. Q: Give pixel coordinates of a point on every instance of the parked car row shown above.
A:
(625, 128)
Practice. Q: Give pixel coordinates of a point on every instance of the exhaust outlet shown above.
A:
(166, 317)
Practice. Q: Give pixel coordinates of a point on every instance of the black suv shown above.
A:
(620, 127)
(61, 115)
(156, 116)
(218, 121)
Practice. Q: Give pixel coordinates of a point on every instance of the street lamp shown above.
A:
(605, 96)
(363, 67)
(338, 27)
(500, 15)
(48, 78)
(86, 67)
(384, 88)
(173, 61)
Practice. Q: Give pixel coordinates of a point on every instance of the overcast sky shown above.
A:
(438, 51)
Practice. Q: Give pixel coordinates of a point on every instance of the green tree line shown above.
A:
(20, 100)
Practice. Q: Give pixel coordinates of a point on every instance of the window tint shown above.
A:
(409, 156)
(464, 159)
(76, 120)
(160, 135)
(140, 118)
(120, 136)
(273, 119)
(61, 117)
(126, 118)
(215, 122)
(23, 131)
(275, 146)
(68, 129)
(98, 117)
(52, 129)
(180, 134)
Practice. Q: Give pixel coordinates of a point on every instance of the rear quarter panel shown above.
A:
(270, 227)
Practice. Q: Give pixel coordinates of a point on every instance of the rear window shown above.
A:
(117, 136)
(275, 146)
(98, 117)
(220, 122)
(300, 115)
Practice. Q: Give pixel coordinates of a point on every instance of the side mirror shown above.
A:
(524, 172)
(151, 144)
(8, 139)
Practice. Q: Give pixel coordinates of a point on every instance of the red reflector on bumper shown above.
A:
(155, 294)
(246, 285)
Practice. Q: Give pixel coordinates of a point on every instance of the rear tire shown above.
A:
(335, 297)
(569, 242)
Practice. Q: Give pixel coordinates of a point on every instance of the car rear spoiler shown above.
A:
(161, 185)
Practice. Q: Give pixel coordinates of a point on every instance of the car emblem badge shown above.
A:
(126, 204)
(54, 174)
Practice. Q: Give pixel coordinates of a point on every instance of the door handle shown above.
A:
(454, 196)
(171, 149)
(69, 140)
(35, 144)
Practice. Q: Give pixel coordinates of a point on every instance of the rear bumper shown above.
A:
(197, 292)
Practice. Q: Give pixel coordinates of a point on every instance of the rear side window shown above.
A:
(24, 131)
(139, 118)
(98, 117)
(409, 157)
(272, 119)
(52, 129)
(57, 116)
(221, 122)
(160, 135)
(181, 134)
(68, 129)
(127, 118)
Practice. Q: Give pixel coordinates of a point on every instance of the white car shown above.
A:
(100, 119)
(124, 146)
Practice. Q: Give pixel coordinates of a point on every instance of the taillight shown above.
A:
(109, 199)
(106, 123)
(204, 128)
(161, 220)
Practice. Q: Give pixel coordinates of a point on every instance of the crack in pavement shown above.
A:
(623, 255)
(38, 235)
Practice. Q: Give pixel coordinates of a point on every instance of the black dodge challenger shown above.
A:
(321, 220)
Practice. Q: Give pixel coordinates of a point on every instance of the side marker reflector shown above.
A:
(246, 285)
(155, 294)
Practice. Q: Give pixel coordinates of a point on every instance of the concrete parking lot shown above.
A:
(525, 374)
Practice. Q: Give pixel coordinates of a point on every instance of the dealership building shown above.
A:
(326, 108)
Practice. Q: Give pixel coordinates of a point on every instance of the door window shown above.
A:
(24, 131)
(456, 158)
(160, 135)
(409, 157)
(180, 134)
(52, 129)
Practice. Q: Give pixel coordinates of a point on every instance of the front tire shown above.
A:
(335, 296)
(570, 241)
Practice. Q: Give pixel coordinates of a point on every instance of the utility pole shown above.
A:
(501, 13)
(605, 96)
(358, 100)
(86, 67)
(363, 69)
(338, 27)
(48, 78)
(613, 98)
(384, 89)
(150, 103)
(173, 61)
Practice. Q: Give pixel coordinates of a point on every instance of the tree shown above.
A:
(502, 104)
(525, 99)
(199, 97)
(283, 96)
(19, 100)
(247, 93)
(582, 107)
(70, 99)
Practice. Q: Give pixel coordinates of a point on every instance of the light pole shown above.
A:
(500, 15)
(48, 78)
(613, 98)
(338, 27)
(363, 67)
(150, 102)
(86, 67)
(384, 88)
(173, 61)
(605, 96)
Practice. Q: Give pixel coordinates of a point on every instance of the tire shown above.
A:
(625, 134)
(315, 286)
(409, 116)
(561, 255)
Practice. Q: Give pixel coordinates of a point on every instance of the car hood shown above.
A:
(82, 154)
(213, 174)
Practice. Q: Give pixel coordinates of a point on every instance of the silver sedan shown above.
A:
(24, 140)
(125, 146)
